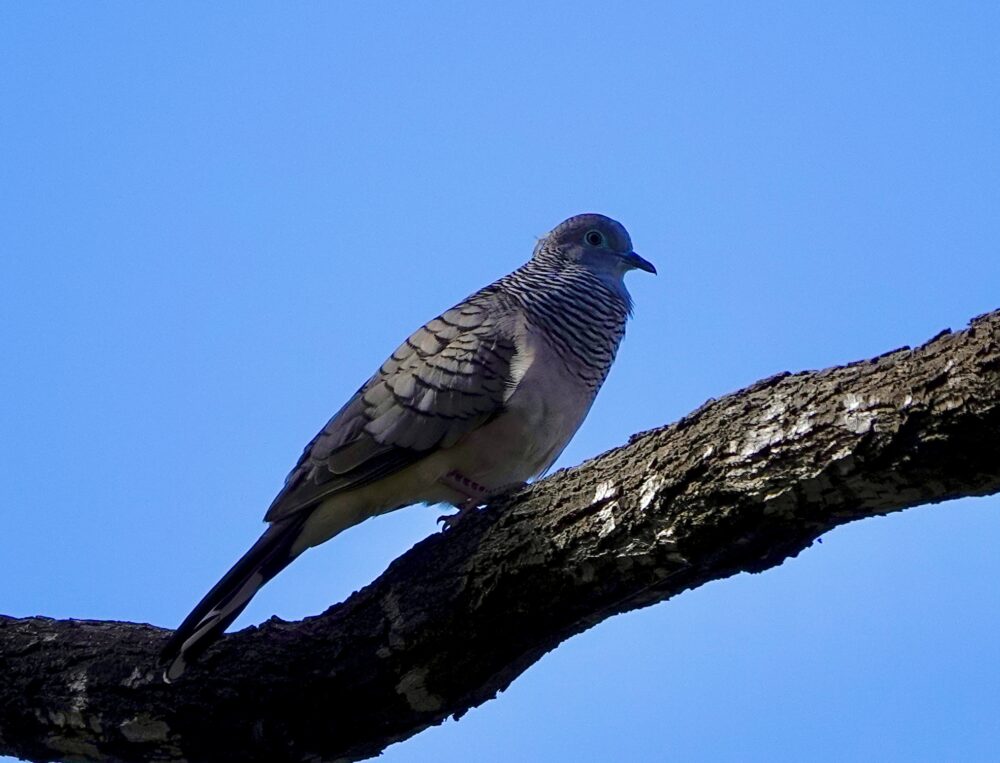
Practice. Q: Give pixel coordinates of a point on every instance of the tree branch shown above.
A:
(741, 484)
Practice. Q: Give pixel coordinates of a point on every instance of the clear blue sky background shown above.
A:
(218, 219)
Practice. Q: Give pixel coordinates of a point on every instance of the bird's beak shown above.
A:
(637, 262)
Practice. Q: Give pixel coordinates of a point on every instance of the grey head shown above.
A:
(595, 242)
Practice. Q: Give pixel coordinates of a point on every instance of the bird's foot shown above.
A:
(448, 521)
(475, 496)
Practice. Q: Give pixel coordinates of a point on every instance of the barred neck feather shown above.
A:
(582, 315)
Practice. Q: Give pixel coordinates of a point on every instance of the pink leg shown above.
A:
(475, 496)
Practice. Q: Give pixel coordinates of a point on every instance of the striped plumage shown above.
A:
(483, 397)
(582, 315)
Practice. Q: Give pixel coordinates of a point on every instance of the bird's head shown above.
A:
(597, 242)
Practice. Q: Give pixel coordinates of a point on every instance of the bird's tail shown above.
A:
(266, 558)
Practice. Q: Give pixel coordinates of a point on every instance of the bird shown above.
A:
(472, 404)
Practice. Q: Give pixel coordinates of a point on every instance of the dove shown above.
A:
(478, 400)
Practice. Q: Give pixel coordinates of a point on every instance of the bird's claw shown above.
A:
(448, 521)
(477, 496)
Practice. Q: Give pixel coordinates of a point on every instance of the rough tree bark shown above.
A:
(741, 484)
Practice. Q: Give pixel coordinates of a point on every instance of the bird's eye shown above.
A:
(594, 238)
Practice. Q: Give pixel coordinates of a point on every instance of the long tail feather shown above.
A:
(229, 597)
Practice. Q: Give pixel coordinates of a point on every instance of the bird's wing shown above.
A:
(445, 380)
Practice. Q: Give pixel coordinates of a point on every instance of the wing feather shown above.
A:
(448, 378)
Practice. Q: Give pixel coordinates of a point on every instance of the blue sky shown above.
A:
(217, 221)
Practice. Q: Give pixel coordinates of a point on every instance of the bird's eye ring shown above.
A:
(594, 238)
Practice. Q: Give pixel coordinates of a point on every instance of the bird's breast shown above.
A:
(544, 408)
